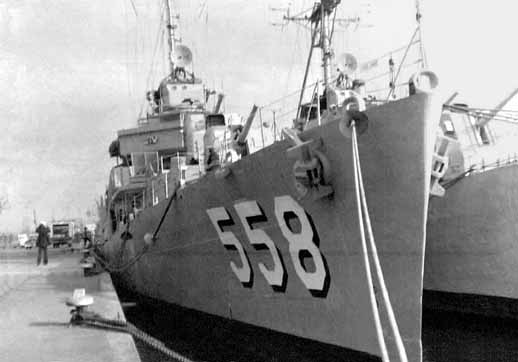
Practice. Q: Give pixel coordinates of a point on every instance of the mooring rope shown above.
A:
(119, 268)
(93, 320)
(363, 211)
(372, 297)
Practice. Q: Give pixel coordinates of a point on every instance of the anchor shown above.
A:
(311, 170)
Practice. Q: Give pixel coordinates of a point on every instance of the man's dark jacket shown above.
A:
(43, 236)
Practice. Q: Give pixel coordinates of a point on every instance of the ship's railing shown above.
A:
(387, 76)
(142, 121)
(159, 187)
(169, 114)
(483, 136)
(278, 114)
(483, 164)
(479, 167)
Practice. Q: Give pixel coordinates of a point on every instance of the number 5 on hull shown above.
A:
(219, 217)
(248, 211)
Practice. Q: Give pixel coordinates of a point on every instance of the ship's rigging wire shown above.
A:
(483, 109)
(136, 50)
(482, 113)
(302, 12)
(296, 51)
(332, 27)
(363, 210)
(157, 44)
(128, 77)
(291, 94)
(392, 52)
(402, 61)
(134, 7)
(314, 32)
(402, 65)
(376, 60)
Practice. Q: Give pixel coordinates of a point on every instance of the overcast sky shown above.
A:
(73, 72)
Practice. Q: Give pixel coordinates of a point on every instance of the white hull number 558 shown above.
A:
(298, 242)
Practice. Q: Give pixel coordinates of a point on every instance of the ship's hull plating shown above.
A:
(190, 266)
(471, 244)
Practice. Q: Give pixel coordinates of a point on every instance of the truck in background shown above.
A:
(23, 239)
(61, 232)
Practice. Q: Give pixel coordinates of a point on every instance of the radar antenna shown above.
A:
(182, 56)
(346, 63)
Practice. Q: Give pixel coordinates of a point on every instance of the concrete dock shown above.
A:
(35, 320)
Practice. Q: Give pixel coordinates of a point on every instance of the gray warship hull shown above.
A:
(471, 251)
(205, 258)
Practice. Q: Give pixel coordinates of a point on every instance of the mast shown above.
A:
(418, 16)
(172, 25)
(324, 39)
(320, 18)
(306, 72)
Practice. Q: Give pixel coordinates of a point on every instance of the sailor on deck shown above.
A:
(152, 102)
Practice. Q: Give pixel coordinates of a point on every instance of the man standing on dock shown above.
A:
(43, 242)
(86, 238)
